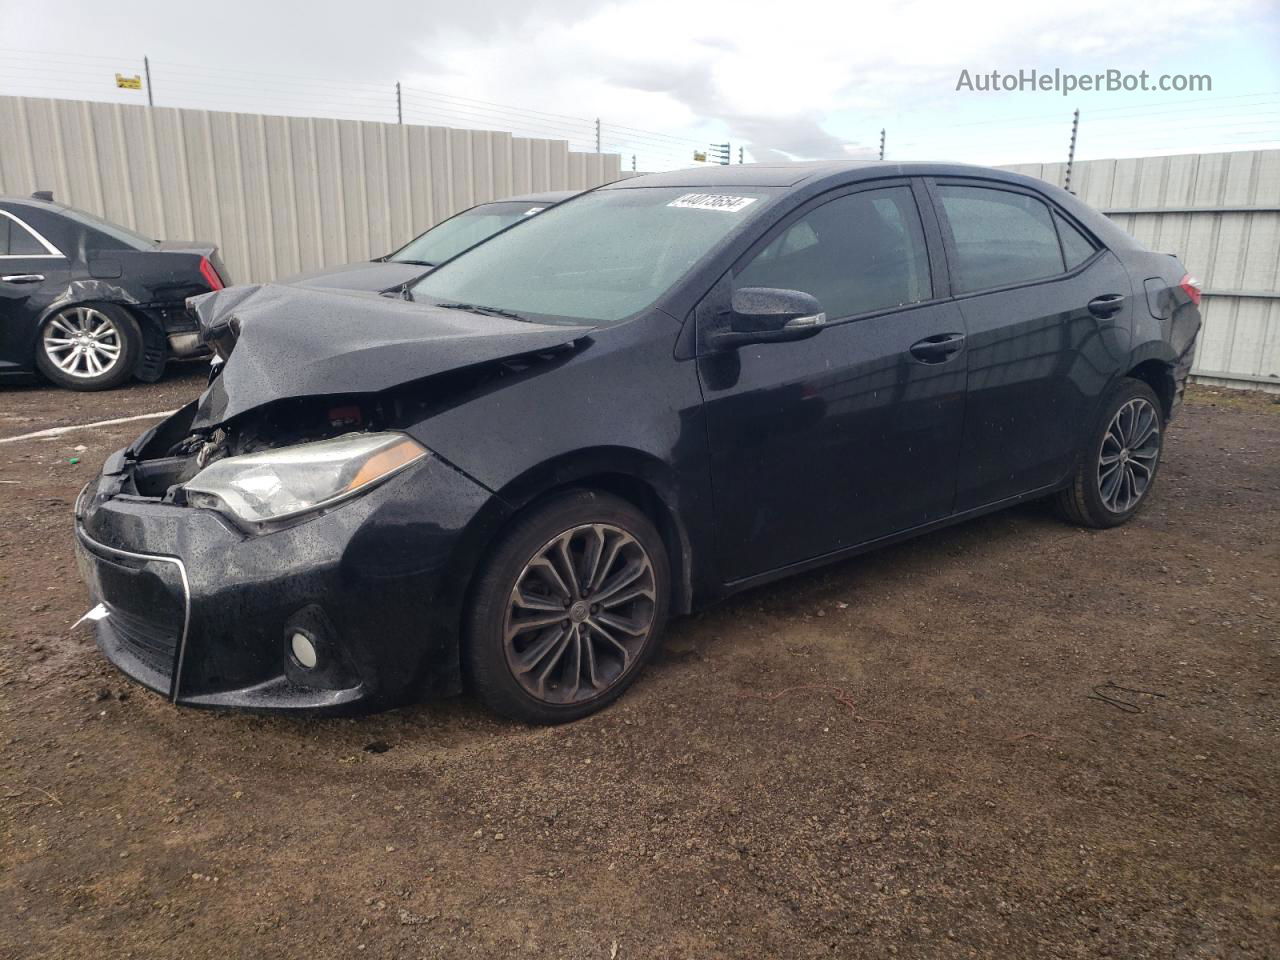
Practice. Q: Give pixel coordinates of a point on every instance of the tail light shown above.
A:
(1191, 287)
(215, 282)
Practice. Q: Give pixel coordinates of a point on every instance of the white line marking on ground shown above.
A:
(59, 431)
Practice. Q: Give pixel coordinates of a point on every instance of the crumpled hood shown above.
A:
(283, 342)
(373, 276)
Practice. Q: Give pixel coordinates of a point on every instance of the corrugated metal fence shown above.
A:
(284, 194)
(1220, 213)
(277, 194)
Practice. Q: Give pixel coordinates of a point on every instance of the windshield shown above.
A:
(448, 239)
(124, 235)
(601, 257)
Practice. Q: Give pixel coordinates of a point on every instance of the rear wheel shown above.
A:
(1117, 469)
(568, 609)
(89, 347)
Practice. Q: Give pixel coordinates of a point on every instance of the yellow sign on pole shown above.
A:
(128, 83)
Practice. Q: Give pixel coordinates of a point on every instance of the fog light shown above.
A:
(304, 651)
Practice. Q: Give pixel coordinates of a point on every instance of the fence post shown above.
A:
(399, 105)
(882, 143)
(146, 68)
(1071, 150)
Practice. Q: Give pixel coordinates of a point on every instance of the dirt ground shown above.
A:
(902, 755)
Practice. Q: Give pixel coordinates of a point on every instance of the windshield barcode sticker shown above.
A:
(712, 201)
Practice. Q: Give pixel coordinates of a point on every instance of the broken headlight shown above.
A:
(280, 484)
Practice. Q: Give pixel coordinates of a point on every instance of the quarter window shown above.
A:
(855, 254)
(1001, 238)
(1076, 247)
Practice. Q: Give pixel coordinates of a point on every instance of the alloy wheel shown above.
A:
(580, 614)
(1130, 451)
(83, 342)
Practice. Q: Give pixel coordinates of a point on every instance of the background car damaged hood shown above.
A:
(283, 342)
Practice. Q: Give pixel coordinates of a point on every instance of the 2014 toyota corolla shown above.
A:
(646, 398)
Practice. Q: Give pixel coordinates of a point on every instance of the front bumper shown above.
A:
(203, 613)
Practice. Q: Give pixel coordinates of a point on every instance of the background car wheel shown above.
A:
(1117, 469)
(567, 610)
(89, 347)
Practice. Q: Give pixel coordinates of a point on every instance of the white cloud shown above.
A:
(773, 74)
(808, 78)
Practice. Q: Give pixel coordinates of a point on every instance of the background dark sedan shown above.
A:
(442, 242)
(88, 303)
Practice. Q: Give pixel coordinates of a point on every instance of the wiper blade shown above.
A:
(486, 311)
(413, 263)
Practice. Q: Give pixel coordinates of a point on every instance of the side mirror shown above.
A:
(769, 315)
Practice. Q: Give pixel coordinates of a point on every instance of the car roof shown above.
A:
(32, 202)
(797, 173)
(549, 196)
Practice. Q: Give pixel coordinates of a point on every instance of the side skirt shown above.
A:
(736, 586)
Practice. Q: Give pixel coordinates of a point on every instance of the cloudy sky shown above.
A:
(801, 79)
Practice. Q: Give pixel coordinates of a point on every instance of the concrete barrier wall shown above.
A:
(278, 195)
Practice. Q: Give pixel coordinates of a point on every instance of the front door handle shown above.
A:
(22, 278)
(938, 349)
(1107, 305)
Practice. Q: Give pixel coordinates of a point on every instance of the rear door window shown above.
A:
(1001, 238)
(17, 241)
(22, 243)
(856, 254)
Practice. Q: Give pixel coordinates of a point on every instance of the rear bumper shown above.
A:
(203, 614)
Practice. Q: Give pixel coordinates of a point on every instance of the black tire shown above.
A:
(490, 655)
(1091, 500)
(127, 338)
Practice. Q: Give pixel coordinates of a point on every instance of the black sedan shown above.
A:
(444, 241)
(649, 397)
(88, 303)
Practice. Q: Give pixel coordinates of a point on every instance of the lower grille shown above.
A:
(147, 600)
(155, 644)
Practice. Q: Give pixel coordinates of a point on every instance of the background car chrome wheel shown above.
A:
(83, 342)
(567, 608)
(580, 614)
(1127, 460)
(89, 346)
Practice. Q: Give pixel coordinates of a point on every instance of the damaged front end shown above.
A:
(288, 540)
(282, 563)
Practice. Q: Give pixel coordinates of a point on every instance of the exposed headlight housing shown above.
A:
(290, 482)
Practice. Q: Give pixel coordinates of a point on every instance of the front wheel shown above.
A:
(1117, 468)
(568, 609)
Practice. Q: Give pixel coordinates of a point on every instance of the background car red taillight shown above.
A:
(1191, 287)
(215, 282)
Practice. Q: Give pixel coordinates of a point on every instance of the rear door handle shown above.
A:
(22, 278)
(1107, 305)
(938, 349)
